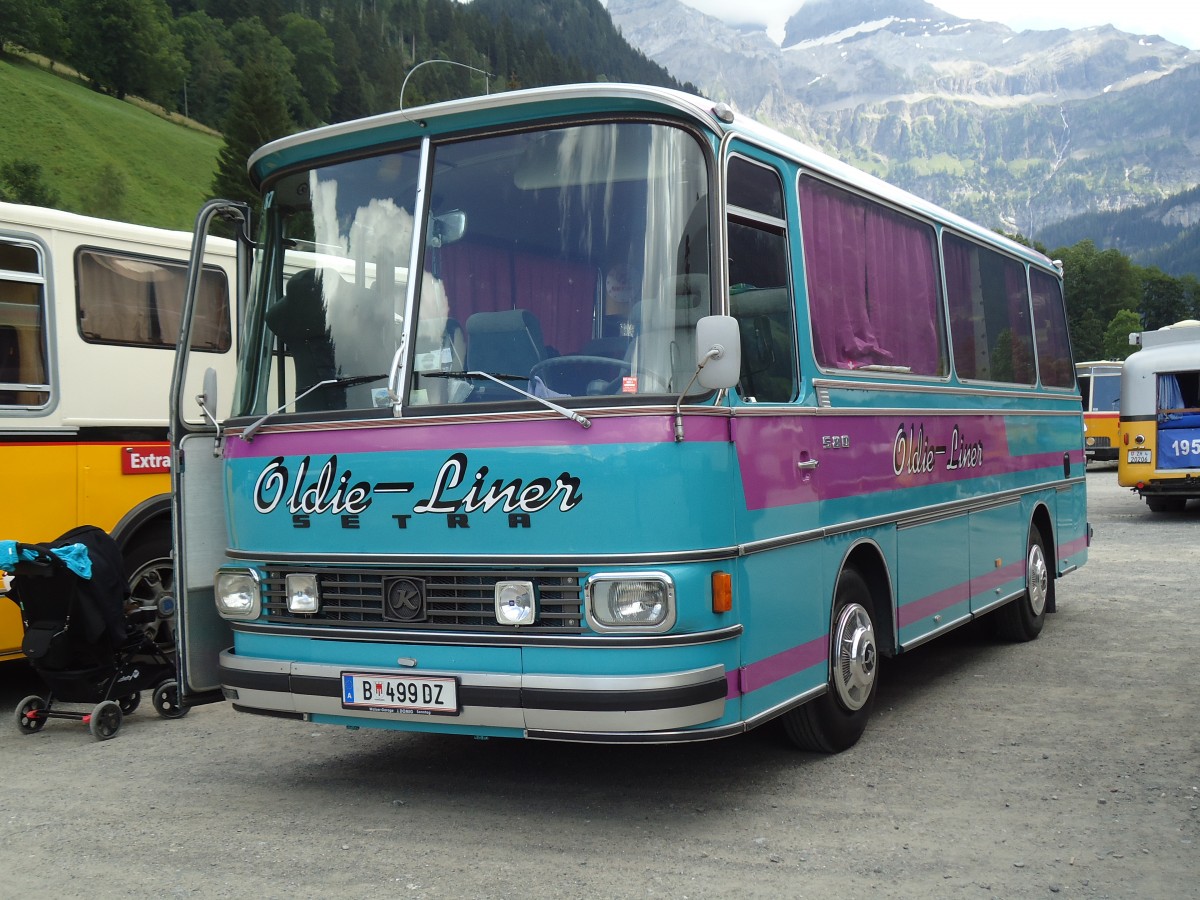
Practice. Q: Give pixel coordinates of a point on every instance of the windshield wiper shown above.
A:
(500, 377)
(344, 382)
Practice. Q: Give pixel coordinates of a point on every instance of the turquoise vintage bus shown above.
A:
(604, 413)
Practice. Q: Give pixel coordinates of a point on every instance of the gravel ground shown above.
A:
(1063, 767)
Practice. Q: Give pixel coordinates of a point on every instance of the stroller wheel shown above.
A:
(31, 716)
(105, 720)
(166, 700)
(129, 702)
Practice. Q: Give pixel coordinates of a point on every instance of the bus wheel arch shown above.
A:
(834, 721)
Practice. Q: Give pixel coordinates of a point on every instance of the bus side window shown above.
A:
(874, 293)
(759, 297)
(22, 327)
(1050, 329)
(988, 296)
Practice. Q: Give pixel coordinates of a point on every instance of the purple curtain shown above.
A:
(957, 255)
(872, 283)
(559, 293)
(1016, 291)
(1050, 328)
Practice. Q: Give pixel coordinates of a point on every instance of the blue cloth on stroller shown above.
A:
(75, 556)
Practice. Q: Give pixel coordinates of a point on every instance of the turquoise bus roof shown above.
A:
(473, 113)
(351, 138)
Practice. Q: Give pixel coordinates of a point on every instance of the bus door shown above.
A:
(778, 443)
(198, 500)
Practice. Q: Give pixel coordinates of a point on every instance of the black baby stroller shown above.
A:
(79, 640)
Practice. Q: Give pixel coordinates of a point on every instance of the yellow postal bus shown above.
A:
(89, 318)
(1100, 387)
(1160, 417)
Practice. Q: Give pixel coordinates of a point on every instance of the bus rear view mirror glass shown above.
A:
(718, 351)
(447, 228)
(208, 396)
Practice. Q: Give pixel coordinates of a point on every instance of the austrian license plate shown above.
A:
(1138, 456)
(418, 695)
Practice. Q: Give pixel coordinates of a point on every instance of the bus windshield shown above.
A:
(570, 262)
(1106, 391)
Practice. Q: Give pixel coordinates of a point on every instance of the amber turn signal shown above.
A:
(722, 592)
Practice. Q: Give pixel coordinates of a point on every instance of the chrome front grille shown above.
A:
(454, 599)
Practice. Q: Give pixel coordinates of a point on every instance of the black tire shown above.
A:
(837, 719)
(1166, 504)
(129, 702)
(28, 722)
(105, 720)
(1023, 618)
(166, 700)
(151, 576)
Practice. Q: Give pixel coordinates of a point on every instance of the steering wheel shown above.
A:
(581, 376)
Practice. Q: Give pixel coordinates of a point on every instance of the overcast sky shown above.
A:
(1176, 20)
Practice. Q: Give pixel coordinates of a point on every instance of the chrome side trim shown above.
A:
(904, 387)
(787, 705)
(622, 682)
(294, 424)
(642, 737)
(714, 554)
(940, 515)
(937, 632)
(678, 736)
(484, 639)
(907, 518)
(996, 604)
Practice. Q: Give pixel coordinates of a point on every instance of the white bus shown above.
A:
(1160, 417)
(89, 318)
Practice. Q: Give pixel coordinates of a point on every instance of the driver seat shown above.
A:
(507, 342)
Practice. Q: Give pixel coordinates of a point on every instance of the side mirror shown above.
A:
(718, 352)
(447, 228)
(208, 397)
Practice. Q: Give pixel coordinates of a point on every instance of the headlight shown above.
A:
(238, 594)
(302, 594)
(644, 600)
(516, 603)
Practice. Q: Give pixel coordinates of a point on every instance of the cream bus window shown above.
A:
(138, 301)
(23, 380)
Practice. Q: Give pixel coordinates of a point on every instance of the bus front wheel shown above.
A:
(837, 719)
(151, 576)
(1023, 618)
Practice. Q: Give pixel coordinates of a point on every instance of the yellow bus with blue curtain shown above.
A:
(1160, 417)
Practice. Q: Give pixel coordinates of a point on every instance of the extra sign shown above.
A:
(146, 459)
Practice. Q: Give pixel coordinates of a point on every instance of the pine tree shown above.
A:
(257, 114)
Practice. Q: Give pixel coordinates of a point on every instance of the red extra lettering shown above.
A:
(146, 459)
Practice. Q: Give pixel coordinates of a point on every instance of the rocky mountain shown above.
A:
(1015, 129)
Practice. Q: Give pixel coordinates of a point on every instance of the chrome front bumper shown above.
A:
(579, 705)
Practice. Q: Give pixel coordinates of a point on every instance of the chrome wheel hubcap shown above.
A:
(856, 657)
(1037, 578)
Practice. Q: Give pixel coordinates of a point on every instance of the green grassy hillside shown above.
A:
(100, 155)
